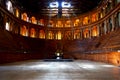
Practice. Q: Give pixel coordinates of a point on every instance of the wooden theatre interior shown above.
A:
(91, 35)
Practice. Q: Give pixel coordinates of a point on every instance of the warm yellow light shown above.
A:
(33, 20)
(58, 54)
(24, 31)
(94, 31)
(24, 16)
(58, 36)
(42, 34)
(85, 20)
(7, 26)
(17, 13)
(32, 33)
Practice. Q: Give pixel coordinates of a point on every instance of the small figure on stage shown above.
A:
(59, 54)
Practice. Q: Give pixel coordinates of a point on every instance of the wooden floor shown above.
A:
(76, 70)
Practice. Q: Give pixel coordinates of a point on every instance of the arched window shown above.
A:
(86, 33)
(94, 31)
(68, 23)
(41, 22)
(77, 34)
(94, 17)
(42, 34)
(59, 35)
(76, 23)
(24, 31)
(50, 35)
(17, 13)
(85, 20)
(9, 6)
(32, 33)
(33, 20)
(59, 24)
(24, 17)
(50, 24)
(7, 26)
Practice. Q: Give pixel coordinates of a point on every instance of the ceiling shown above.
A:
(41, 7)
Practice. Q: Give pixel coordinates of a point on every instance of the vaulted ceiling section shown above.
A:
(42, 7)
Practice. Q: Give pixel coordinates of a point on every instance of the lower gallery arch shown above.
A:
(42, 34)
(94, 31)
(59, 35)
(32, 33)
(86, 33)
(24, 31)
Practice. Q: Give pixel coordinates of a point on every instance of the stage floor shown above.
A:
(58, 60)
(75, 70)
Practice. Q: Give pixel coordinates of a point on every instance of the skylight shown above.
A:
(60, 8)
(54, 5)
(66, 4)
(57, 4)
